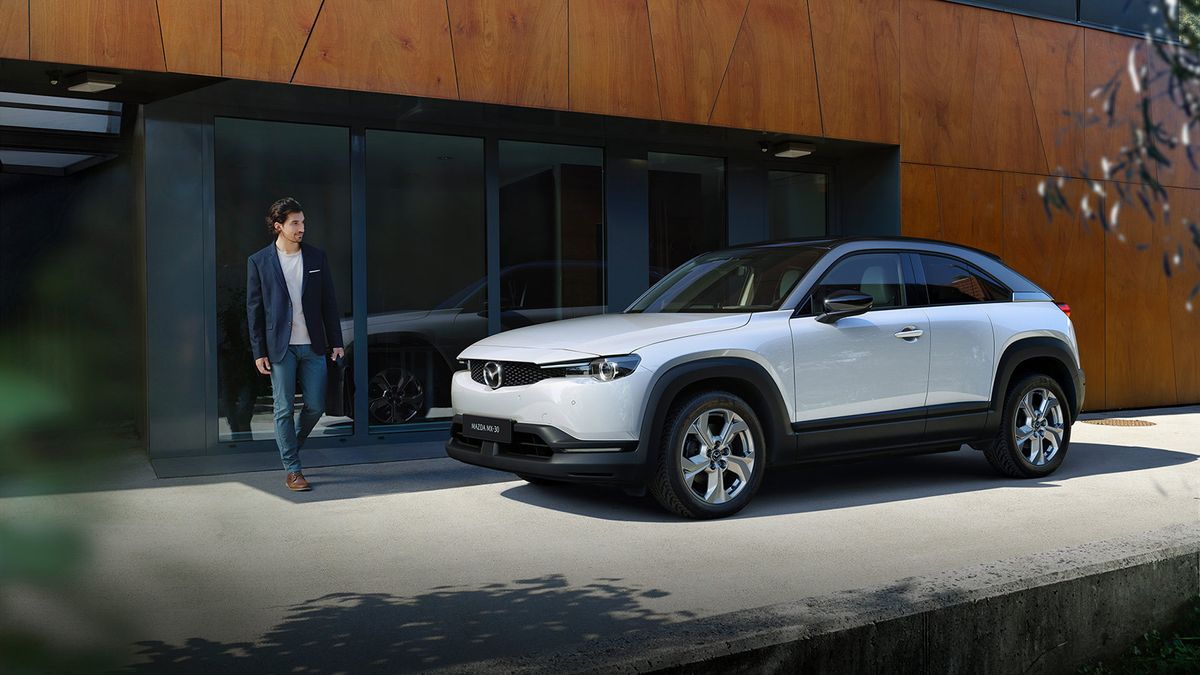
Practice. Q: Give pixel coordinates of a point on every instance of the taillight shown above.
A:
(1066, 309)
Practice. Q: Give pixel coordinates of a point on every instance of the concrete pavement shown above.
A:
(431, 564)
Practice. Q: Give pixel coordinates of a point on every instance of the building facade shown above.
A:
(472, 166)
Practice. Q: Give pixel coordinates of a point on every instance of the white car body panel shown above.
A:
(611, 334)
(1012, 321)
(962, 354)
(858, 366)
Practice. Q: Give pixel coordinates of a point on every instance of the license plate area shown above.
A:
(487, 428)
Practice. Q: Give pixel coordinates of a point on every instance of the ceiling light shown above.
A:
(792, 149)
(90, 82)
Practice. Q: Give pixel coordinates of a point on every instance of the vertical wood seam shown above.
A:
(1037, 122)
(812, 47)
(453, 55)
(732, 50)
(653, 59)
(568, 54)
(162, 40)
(311, 29)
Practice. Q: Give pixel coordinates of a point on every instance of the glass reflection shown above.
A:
(797, 204)
(687, 209)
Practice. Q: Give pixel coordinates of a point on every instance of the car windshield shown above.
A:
(745, 280)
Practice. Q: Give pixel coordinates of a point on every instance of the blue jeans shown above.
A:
(310, 366)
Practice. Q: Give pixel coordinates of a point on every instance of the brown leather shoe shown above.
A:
(295, 482)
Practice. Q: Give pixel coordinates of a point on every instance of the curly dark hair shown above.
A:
(279, 212)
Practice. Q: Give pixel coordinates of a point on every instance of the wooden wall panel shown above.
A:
(1185, 322)
(693, 40)
(1140, 368)
(106, 33)
(1075, 275)
(511, 51)
(611, 67)
(1180, 173)
(920, 214)
(14, 29)
(263, 39)
(771, 82)
(1105, 57)
(964, 98)
(396, 47)
(1052, 54)
(191, 34)
(858, 67)
(972, 207)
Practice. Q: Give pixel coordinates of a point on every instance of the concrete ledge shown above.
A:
(1045, 613)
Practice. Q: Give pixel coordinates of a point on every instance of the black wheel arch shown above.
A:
(740, 376)
(1045, 355)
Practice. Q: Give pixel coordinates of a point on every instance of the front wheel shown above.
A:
(712, 457)
(1035, 429)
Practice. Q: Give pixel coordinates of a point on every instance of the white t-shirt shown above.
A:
(293, 273)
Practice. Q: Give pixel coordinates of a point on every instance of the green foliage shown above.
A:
(1156, 654)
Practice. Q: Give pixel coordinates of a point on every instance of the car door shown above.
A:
(962, 346)
(869, 371)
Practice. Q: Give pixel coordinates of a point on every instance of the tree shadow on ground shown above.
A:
(820, 487)
(447, 626)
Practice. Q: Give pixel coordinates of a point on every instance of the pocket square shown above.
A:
(313, 271)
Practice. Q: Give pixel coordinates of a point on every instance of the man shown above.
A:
(293, 321)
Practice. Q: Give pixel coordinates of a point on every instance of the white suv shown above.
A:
(777, 354)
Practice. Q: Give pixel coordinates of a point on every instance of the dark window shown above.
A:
(687, 209)
(426, 269)
(257, 163)
(1057, 9)
(876, 274)
(796, 203)
(551, 232)
(954, 282)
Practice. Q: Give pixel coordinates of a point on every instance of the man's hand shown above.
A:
(338, 353)
(263, 365)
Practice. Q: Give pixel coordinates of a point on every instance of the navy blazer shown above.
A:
(269, 306)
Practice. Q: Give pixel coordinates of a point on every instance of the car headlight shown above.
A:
(606, 368)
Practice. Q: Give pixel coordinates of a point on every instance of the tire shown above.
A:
(1029, 444)
(692, 458)
(537, 480)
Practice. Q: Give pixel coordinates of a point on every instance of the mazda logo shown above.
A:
(493, 374)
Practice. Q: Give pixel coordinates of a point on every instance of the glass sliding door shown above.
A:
(551, 232)
(426, 270)
(687, 209)
(257, 163)
(796, 204)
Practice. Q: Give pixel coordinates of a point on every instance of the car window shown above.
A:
(954, 282)
(876, 274)
(738, 280)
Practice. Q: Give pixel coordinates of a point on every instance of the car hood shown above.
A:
(600, 335)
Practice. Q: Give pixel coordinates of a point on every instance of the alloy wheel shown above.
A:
(717, 456)
(1038, 426)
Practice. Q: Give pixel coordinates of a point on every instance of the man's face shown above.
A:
(292, 229)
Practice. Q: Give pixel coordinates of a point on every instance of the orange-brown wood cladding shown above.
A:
(262, 39)
(693, 40)
(771, 82)
(395, 46)
(611, 59)
(1052, 54)
(920, 215)
(511, 51)
(1185, 322)
(191, 34)
(1106, 57)
(107, 33)
(14, 29)
(858, 67)
(1141, 357)
(1180, 173)
(1076, 276)
(971, 202)
(964, 99)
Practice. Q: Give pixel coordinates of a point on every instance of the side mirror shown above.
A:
(844, 303)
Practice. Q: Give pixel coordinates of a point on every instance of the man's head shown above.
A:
(285, 219)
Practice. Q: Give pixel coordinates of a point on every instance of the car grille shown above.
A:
(515, 373)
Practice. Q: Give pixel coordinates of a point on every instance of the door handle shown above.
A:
(910, 333)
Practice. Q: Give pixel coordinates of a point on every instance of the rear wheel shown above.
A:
(712, 457)
(1035, 429)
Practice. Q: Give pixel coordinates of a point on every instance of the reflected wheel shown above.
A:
(394, 396)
